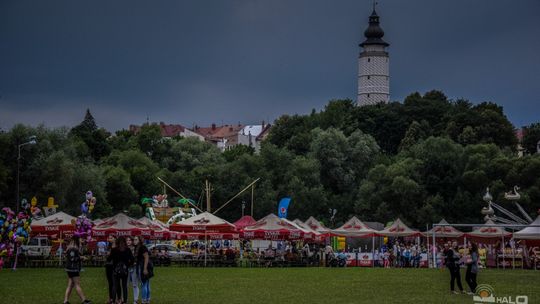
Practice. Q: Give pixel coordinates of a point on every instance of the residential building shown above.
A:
(170, 131)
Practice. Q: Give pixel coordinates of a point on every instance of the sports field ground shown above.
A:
(272, 285)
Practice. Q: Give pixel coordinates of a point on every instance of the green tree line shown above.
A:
(424, 159)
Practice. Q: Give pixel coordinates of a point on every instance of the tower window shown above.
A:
(368, 95)
(368, 77)
(369, 59)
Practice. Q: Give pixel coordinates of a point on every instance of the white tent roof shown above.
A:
(203, 222)
(154, 225)
(488, 231)
(314, 224)
(120, 222)
(444, 231)
(204, 218)
(529, 233)
(57, 219)
(397, 229)
(272, 222)
(305, 227)
(354, 228)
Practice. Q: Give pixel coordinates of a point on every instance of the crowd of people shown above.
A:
(398, 254)
(128, 262)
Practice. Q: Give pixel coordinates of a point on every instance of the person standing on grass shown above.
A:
(109, 267)
(145, 269)
(122, 259)
(133, 274)
(452, 258)
(73, 269)
(472, 268)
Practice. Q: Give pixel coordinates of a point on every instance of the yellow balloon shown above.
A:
(33, 202)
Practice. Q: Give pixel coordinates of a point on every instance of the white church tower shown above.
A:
(373, 73)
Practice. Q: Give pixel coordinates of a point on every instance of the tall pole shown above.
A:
(427, 244)
(433, 252)
(252, 195)
(18, 174)
(208, 206)
(31, 141)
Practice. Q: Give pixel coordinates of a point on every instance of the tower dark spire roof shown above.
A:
(374, 32)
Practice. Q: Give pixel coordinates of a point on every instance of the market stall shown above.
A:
(355, 228)
(54, 226)
(311, 235)
(314, 224)
(159, 230)
(398, 229)
(271, 227)
(120, 225)
(531, 237)
(494, 236)
(244, 221)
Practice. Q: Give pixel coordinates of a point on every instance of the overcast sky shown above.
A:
(230, 61)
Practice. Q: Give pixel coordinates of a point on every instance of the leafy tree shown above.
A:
(414, 134)
(531, 138)
(120, 192)
(135, 210)
(94, 138)
(237, 151)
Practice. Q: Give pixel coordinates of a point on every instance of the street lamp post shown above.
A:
(31, 141)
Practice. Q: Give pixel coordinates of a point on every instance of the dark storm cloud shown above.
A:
(227, 61)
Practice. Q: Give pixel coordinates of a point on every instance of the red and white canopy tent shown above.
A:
(444, 231)
(244, 221)
(159, 230)
(54, 225)
(99, 221)
(203, 222)
(398, 229)
(314, 224)
(531, 232)
(487, 232)
(204, 225)
(354, 228)
(310, 234)
(207, 225)
(271, 227)
(121, 225)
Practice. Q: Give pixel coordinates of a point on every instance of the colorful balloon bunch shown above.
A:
(83, 228)
(83, 225)
(88, 205)
(14, 230)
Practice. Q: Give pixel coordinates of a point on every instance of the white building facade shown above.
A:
(373, 66)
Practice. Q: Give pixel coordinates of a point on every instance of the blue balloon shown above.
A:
(84, 208)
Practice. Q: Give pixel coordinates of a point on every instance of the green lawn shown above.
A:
(272, 285)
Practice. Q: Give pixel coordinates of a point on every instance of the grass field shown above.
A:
(272, 285)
